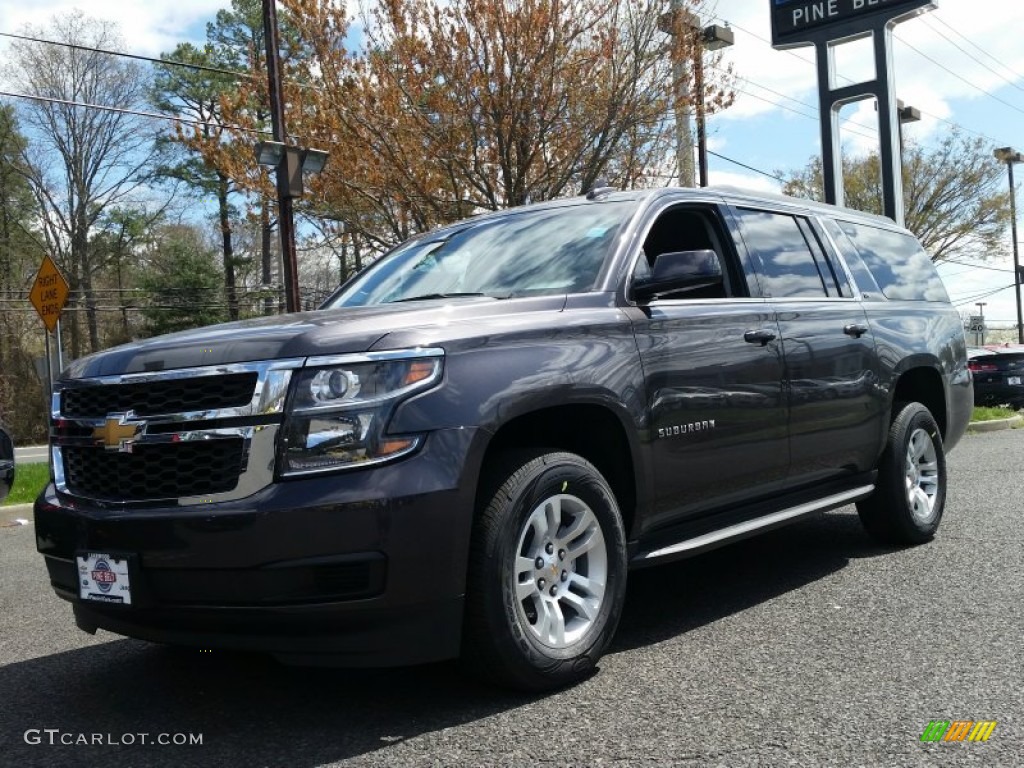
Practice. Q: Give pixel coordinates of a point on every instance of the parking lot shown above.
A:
(807, 646)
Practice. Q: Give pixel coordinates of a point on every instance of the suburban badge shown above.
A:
(686, 429)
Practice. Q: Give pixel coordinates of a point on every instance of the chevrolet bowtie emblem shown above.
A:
(119, 432)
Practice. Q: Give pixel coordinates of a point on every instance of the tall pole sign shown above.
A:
(826, 24)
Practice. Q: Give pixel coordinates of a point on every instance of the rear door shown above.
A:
(831, 366)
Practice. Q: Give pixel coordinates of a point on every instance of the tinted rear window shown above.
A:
(898, 263)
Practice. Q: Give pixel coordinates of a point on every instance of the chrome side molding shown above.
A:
(748, 526)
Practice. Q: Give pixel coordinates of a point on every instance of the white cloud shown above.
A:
(955, 68)
(149, 27)
(750, 181)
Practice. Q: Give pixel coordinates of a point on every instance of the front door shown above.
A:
(713, 367)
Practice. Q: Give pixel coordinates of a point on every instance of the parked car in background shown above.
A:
(998, 374)
(6, 463)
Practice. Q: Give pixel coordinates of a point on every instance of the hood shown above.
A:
(303, 334)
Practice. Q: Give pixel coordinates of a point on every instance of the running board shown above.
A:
(749, 527)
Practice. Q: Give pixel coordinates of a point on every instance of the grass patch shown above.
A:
(991, 413)
(29, 480)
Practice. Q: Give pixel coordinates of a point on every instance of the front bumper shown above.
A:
(354, 568)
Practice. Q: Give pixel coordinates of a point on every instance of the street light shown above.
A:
(294, 161)
(713, 38)
(289, 161)
(906, 115)
(1010, 156)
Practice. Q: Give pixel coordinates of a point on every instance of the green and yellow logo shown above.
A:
(958, 730)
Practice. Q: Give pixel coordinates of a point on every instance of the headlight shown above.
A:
(339, 409)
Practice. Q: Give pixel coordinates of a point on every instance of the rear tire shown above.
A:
(907, 505)
(547, 573)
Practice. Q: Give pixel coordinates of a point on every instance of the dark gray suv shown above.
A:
(467, 449)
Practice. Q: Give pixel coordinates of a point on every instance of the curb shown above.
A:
(12, 512)
(995, 425)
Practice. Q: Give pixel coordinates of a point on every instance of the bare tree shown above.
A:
(84, 160)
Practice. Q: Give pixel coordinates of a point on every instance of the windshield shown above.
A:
(549, 251)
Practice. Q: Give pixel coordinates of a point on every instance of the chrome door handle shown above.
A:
(855, 329)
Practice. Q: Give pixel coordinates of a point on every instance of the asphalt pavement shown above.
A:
(808, 646)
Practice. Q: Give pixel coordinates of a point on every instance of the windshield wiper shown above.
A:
(426, 296)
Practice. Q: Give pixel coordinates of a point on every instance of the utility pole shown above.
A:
(689, 40)
(285, 212)
(678, 23)
(713, 38)
(1010, 156)
(981, 311)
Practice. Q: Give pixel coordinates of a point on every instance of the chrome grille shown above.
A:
(182, 437)
(158, 397)
(160, 471)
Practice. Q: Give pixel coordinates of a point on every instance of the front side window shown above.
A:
(524, 253)
(788, 267)
(687, 228)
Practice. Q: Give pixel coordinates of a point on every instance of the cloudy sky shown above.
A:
(960, 67)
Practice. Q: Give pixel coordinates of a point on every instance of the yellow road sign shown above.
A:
(49, 293)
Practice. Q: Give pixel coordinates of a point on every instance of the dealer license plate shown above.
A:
(1013, 381)
(104, 578)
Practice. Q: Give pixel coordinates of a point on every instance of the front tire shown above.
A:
(547, 573)
(910, 496)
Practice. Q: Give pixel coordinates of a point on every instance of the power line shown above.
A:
(811, 63)
(188, 121)
(973, 58)
(748, 167)
(976, 266)
(777, 104)
(813, 117)
(960, 77)
(137, 113)
(982, 50)
(123, 54)
(984, 295)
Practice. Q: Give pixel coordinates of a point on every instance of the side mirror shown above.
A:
(679, 271)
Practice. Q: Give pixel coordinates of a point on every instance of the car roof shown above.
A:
(731, 193)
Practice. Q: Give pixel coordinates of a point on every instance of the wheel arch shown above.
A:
(591, 430)
(921, 384)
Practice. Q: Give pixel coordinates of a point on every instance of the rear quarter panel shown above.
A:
(915, 334)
